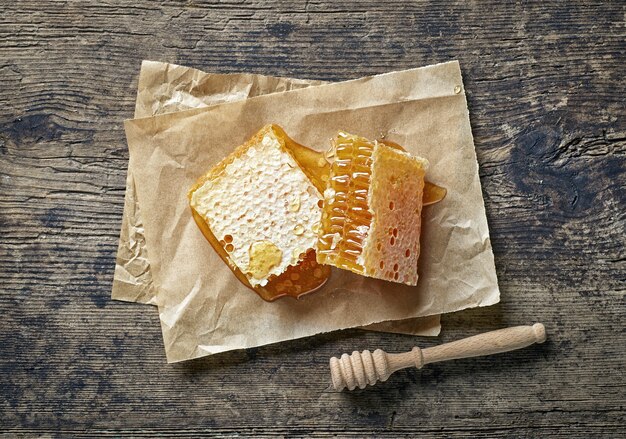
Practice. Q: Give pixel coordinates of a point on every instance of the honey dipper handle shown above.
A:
(494, 342)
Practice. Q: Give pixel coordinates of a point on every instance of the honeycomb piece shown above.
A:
(371, 217)
(245, 207)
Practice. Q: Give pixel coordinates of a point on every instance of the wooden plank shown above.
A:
(546, 98)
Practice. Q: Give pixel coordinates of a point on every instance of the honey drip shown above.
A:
(433, 194)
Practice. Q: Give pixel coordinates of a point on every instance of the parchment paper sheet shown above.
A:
(165, 88)
(205, 310)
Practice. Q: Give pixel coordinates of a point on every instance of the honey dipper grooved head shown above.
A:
(358, 369)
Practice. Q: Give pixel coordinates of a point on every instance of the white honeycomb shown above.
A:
(254, 199)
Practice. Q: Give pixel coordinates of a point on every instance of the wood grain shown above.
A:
(545, 84)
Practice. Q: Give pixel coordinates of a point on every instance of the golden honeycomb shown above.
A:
(371, 218)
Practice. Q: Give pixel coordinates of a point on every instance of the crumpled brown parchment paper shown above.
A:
(203, 308)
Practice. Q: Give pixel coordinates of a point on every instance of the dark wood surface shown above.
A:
(546, 90)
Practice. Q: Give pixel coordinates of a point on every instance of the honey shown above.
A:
(346, 217)
(264, 255)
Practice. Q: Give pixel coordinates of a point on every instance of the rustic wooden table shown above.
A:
(546, 91)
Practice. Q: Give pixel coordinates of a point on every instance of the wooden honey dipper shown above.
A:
(363, 368)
